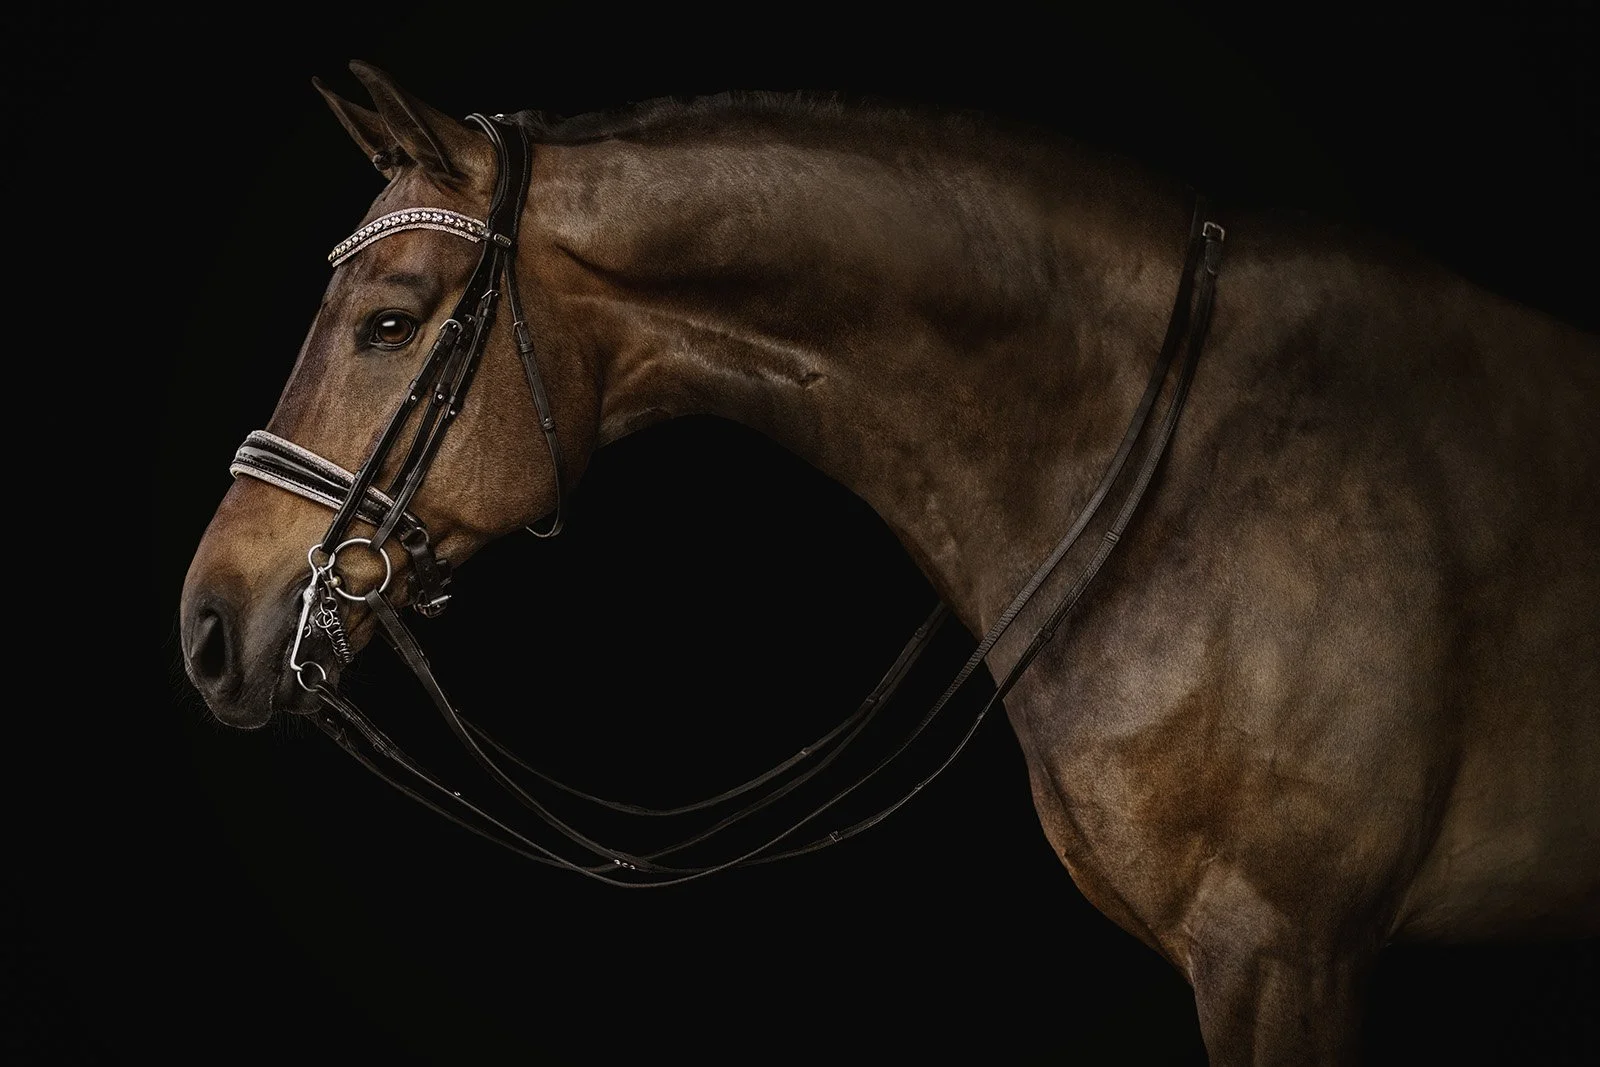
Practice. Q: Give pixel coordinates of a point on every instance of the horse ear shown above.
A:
(443, 147)
(366, 129)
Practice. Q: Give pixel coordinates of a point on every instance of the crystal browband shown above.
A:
(427, 218)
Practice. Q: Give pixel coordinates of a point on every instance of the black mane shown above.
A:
(662, 113)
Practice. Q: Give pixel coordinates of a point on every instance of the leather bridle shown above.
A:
(439, 389)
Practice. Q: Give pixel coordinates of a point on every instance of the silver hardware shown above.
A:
(388, 568)
(1210, 229)
(326, 619)
(432, 609)
(302, 629)
(299, 675)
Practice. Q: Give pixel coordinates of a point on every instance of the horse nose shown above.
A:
(234, 651)
(213, 651)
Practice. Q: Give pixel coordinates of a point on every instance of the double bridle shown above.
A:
(439, 389)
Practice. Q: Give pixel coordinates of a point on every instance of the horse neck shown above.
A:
(958, 341)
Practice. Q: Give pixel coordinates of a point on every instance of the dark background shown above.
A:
(194, 892)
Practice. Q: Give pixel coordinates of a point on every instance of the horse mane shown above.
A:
(874, 124)
(661, 114)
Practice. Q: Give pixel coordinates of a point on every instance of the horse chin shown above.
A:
(275, 692)
(292, 698)
(249, 709)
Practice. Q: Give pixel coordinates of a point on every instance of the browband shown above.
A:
(416, 218)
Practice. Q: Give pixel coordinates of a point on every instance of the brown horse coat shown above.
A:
(1336, 687)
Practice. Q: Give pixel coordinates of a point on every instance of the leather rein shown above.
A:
(439, 389)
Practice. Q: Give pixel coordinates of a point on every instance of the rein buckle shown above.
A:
(432, 609)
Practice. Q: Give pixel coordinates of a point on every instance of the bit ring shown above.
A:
(300, 675)
(388, 568)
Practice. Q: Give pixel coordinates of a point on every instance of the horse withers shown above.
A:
(1334, 687)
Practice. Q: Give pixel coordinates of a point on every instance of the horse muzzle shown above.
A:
(241, 609)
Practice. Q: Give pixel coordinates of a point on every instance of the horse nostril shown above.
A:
(209, 651)
(218, 662)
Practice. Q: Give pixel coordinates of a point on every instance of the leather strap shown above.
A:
(410, 651)
(518, 141)
(439, 390)
(1202, 262)
(269, 458)
(1208, 244)
(444, 380)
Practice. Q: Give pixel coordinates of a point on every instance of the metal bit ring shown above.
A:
(300, 675)
(338, 587)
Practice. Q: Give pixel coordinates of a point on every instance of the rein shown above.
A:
(439, 390)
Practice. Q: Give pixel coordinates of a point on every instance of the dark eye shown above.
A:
(392, 329)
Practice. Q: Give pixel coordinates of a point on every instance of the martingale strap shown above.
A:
(438, 392)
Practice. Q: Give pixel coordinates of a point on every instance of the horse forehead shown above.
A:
(410, 193)
(414, 190)
(421, 259)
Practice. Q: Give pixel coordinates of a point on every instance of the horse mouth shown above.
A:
(246, 681)
(294, 692)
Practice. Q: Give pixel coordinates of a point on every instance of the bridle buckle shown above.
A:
(432, 609)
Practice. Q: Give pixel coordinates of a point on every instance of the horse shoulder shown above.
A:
(1275, 680)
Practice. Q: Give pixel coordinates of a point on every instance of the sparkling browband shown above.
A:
(426, 218)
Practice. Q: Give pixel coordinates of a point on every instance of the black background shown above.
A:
(195, 892)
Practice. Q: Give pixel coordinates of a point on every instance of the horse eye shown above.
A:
(391, 329)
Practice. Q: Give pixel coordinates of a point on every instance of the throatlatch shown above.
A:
(437, 392)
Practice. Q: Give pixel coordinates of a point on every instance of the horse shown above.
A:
(1332, 684)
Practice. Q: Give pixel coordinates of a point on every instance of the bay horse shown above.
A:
(1336, 686)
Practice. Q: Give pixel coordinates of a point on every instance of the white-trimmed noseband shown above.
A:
(417, 218)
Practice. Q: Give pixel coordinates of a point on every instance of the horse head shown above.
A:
(390, 310)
